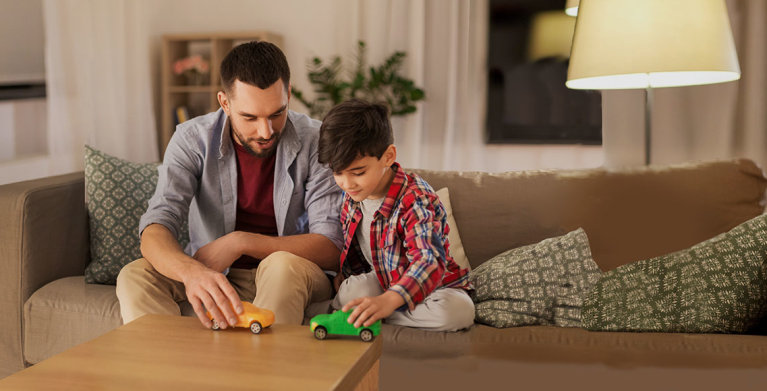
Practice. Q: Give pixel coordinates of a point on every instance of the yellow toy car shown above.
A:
(252, 317)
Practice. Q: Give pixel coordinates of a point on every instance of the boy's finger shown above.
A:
(350, 304)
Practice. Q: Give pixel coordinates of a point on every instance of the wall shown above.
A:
(309, 28)
(23, 140)
(21, 41)
(326, 28)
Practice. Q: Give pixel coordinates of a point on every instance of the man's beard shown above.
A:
(263, 153)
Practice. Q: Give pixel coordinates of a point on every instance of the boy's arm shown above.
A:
(426, 252)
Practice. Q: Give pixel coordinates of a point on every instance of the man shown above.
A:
(263, 213)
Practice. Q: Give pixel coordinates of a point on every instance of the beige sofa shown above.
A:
(628, 215)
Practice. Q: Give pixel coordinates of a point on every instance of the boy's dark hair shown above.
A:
(351, 130)
(257, 63)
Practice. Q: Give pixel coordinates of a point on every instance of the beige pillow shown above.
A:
(456, 247)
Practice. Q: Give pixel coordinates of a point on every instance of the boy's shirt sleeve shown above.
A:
(425, 250)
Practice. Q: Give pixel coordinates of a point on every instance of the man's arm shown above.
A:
(205, 287)
(314, 247)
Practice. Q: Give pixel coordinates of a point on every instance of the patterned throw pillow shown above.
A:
(538, 284)
(117, 194)
(456, 247)
(716, 286)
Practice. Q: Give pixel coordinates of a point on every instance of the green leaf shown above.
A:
(333, 84)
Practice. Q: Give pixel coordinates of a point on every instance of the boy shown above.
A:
(395, 263)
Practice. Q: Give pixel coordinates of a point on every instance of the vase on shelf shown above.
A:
(195, 78)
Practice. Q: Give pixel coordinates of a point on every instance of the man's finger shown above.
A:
(223, 303)
(231, 294)
(214, 310)
(200, 311)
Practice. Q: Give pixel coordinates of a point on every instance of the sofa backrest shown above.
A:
(628, 215)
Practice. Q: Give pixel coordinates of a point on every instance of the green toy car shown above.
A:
(335, 323)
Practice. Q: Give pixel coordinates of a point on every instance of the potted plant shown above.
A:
(382, 83)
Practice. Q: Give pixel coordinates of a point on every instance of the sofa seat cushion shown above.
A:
(65, 313)
(550, 357)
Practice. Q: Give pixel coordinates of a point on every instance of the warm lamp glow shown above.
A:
(651, 43)
(551, 35)
(571, 7)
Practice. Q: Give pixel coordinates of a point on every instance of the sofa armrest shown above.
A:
(43, 237)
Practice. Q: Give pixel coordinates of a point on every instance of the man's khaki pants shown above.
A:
(283, 283)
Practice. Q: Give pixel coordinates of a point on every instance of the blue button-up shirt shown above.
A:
(198, 179)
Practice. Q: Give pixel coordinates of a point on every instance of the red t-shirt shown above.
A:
(255, 199)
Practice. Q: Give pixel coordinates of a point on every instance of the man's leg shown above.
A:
(445, 309)
(356, 286)
(244, 283)
(287, 283)
(143, 290)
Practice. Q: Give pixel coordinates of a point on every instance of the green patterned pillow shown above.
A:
(717, 286)
(117, 193)
(538, 284)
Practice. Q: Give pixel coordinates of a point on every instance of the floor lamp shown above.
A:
(630, 44)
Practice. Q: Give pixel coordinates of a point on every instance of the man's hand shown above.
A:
(371, 309)
(222, 252)
(209, 289)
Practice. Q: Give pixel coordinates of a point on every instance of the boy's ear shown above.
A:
(390, 155)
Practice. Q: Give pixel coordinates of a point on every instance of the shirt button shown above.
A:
(284, 202)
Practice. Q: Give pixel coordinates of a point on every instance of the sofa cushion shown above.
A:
(456, 246)
(117, 193)
(669, 208)
(65, 313)
(542, 283)
(487, 358)
(717, 286)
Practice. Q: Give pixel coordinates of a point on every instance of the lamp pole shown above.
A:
(647, 123)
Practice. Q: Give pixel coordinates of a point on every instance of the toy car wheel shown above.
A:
(366, 335)
(215, 326)
(255, 327)
(320, 333)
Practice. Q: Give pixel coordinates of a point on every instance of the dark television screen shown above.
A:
(528, 102)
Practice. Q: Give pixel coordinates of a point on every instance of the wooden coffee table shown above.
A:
(174, 352)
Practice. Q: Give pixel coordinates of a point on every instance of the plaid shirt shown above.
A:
(408, 241)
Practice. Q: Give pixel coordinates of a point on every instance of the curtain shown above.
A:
(698, 123)
(99, 90)
(446, 46)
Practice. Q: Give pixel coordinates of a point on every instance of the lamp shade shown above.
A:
(571, 7)
(651, 43)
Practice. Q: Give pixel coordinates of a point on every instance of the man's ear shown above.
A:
(223, 100)
(390, 155)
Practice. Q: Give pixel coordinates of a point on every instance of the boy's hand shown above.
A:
(371, 309)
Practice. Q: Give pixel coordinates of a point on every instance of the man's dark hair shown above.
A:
(351, 130)
(257, 63)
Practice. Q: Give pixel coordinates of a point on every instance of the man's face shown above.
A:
(257, 116)
(367, 177)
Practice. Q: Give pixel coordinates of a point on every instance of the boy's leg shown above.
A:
(445, 309)
(287, 283)
(360, 285)
(143, 290)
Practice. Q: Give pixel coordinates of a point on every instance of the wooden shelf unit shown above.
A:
(197, 99)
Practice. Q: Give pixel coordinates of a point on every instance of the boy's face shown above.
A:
(257, 116)
(367, 177)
